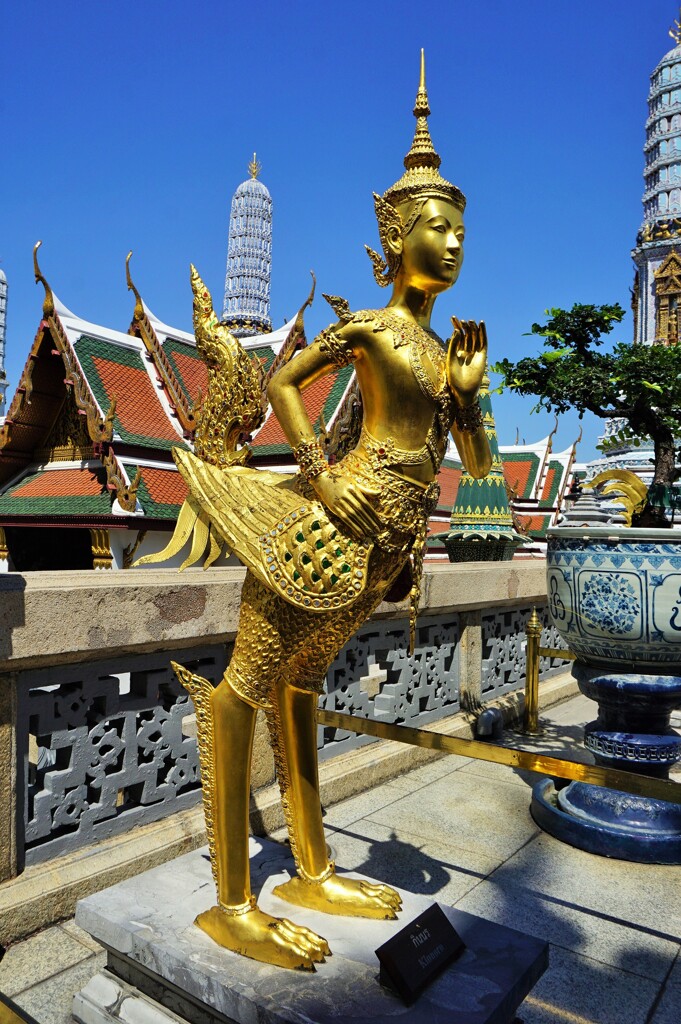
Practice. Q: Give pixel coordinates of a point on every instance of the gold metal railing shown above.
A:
(533, 652)
(626, 782)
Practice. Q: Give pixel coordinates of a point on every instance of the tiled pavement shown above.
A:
(460, 831)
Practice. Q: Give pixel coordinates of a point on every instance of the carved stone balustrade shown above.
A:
(97, 737)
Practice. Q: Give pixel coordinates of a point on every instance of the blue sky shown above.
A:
(128, 125)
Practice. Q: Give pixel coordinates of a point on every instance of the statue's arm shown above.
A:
(284, 391)
(466, 364)
(342, 495)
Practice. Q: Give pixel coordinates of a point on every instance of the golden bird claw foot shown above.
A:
(337, 894)
(272, 940)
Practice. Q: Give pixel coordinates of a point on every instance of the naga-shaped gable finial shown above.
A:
(48, 302)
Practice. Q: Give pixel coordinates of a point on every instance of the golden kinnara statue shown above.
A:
(322, 547)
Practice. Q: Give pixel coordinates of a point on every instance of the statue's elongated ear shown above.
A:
(394, 239)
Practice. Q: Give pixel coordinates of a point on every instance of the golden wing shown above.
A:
(287, 541)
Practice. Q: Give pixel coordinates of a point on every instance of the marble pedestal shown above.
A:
(161, 969)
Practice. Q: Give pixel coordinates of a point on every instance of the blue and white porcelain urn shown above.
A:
(614, 595)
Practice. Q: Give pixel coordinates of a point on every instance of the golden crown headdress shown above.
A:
(421, 180)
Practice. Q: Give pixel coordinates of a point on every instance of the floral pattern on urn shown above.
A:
(616, 595)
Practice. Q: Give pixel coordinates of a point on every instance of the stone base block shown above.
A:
(106, 999)
(160, 963)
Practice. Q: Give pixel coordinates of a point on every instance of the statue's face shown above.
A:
(432, 252)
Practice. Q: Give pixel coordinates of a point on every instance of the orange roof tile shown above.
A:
(138, 407)
(193, 372)
(314, 399)
(536, 523)
(449, 484)
(434, 528)
(165, 486)
(59, 483)
(518, 475)
(548, 484)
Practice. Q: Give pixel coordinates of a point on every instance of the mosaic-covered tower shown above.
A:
(3, 326)
(246, 309)
(656, 294)
(657, 283)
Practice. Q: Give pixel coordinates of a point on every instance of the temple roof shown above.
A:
(90, 429)
(537, 479)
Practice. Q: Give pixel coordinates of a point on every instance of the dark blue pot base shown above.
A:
(609, 823)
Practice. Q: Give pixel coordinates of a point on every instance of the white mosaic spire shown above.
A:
(660, 233)
(656, 295)
(246, 308)
(3, 326)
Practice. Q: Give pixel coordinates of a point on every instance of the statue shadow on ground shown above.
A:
(402, 864)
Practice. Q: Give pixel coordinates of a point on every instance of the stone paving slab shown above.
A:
(435, 769)
(363, 804)
(501, 773)
(82, 936)
(50, 1002)
(647, 896)
(668, 1010)
(468, 811)
(566, 925)
(578, 990)
(38, 958)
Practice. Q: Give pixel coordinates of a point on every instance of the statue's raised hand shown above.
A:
(466, 359)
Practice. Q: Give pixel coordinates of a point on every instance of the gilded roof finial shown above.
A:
(139, 307)
(255, 167)
(675, 30)
(48, 302)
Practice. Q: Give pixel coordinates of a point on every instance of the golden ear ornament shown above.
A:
(388, 217)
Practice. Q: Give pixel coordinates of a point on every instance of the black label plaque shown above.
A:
(416, 955)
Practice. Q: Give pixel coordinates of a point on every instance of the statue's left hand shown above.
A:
(466, 359)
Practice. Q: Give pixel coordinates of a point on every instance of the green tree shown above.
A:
(640, 384)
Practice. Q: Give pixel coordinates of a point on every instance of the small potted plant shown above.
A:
(615, 592)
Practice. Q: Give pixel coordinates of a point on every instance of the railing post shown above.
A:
(533, 631)
(9, 866)
(470, 646)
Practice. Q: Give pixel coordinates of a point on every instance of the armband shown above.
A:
(310, 458)
(469, 418)
(338, 349)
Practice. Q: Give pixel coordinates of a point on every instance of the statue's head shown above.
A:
(420, 189)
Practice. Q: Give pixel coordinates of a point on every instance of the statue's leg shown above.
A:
(225, 726)
(292, 717)
(293, 723)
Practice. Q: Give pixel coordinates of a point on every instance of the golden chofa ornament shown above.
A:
(324, 546)
(400, 206)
